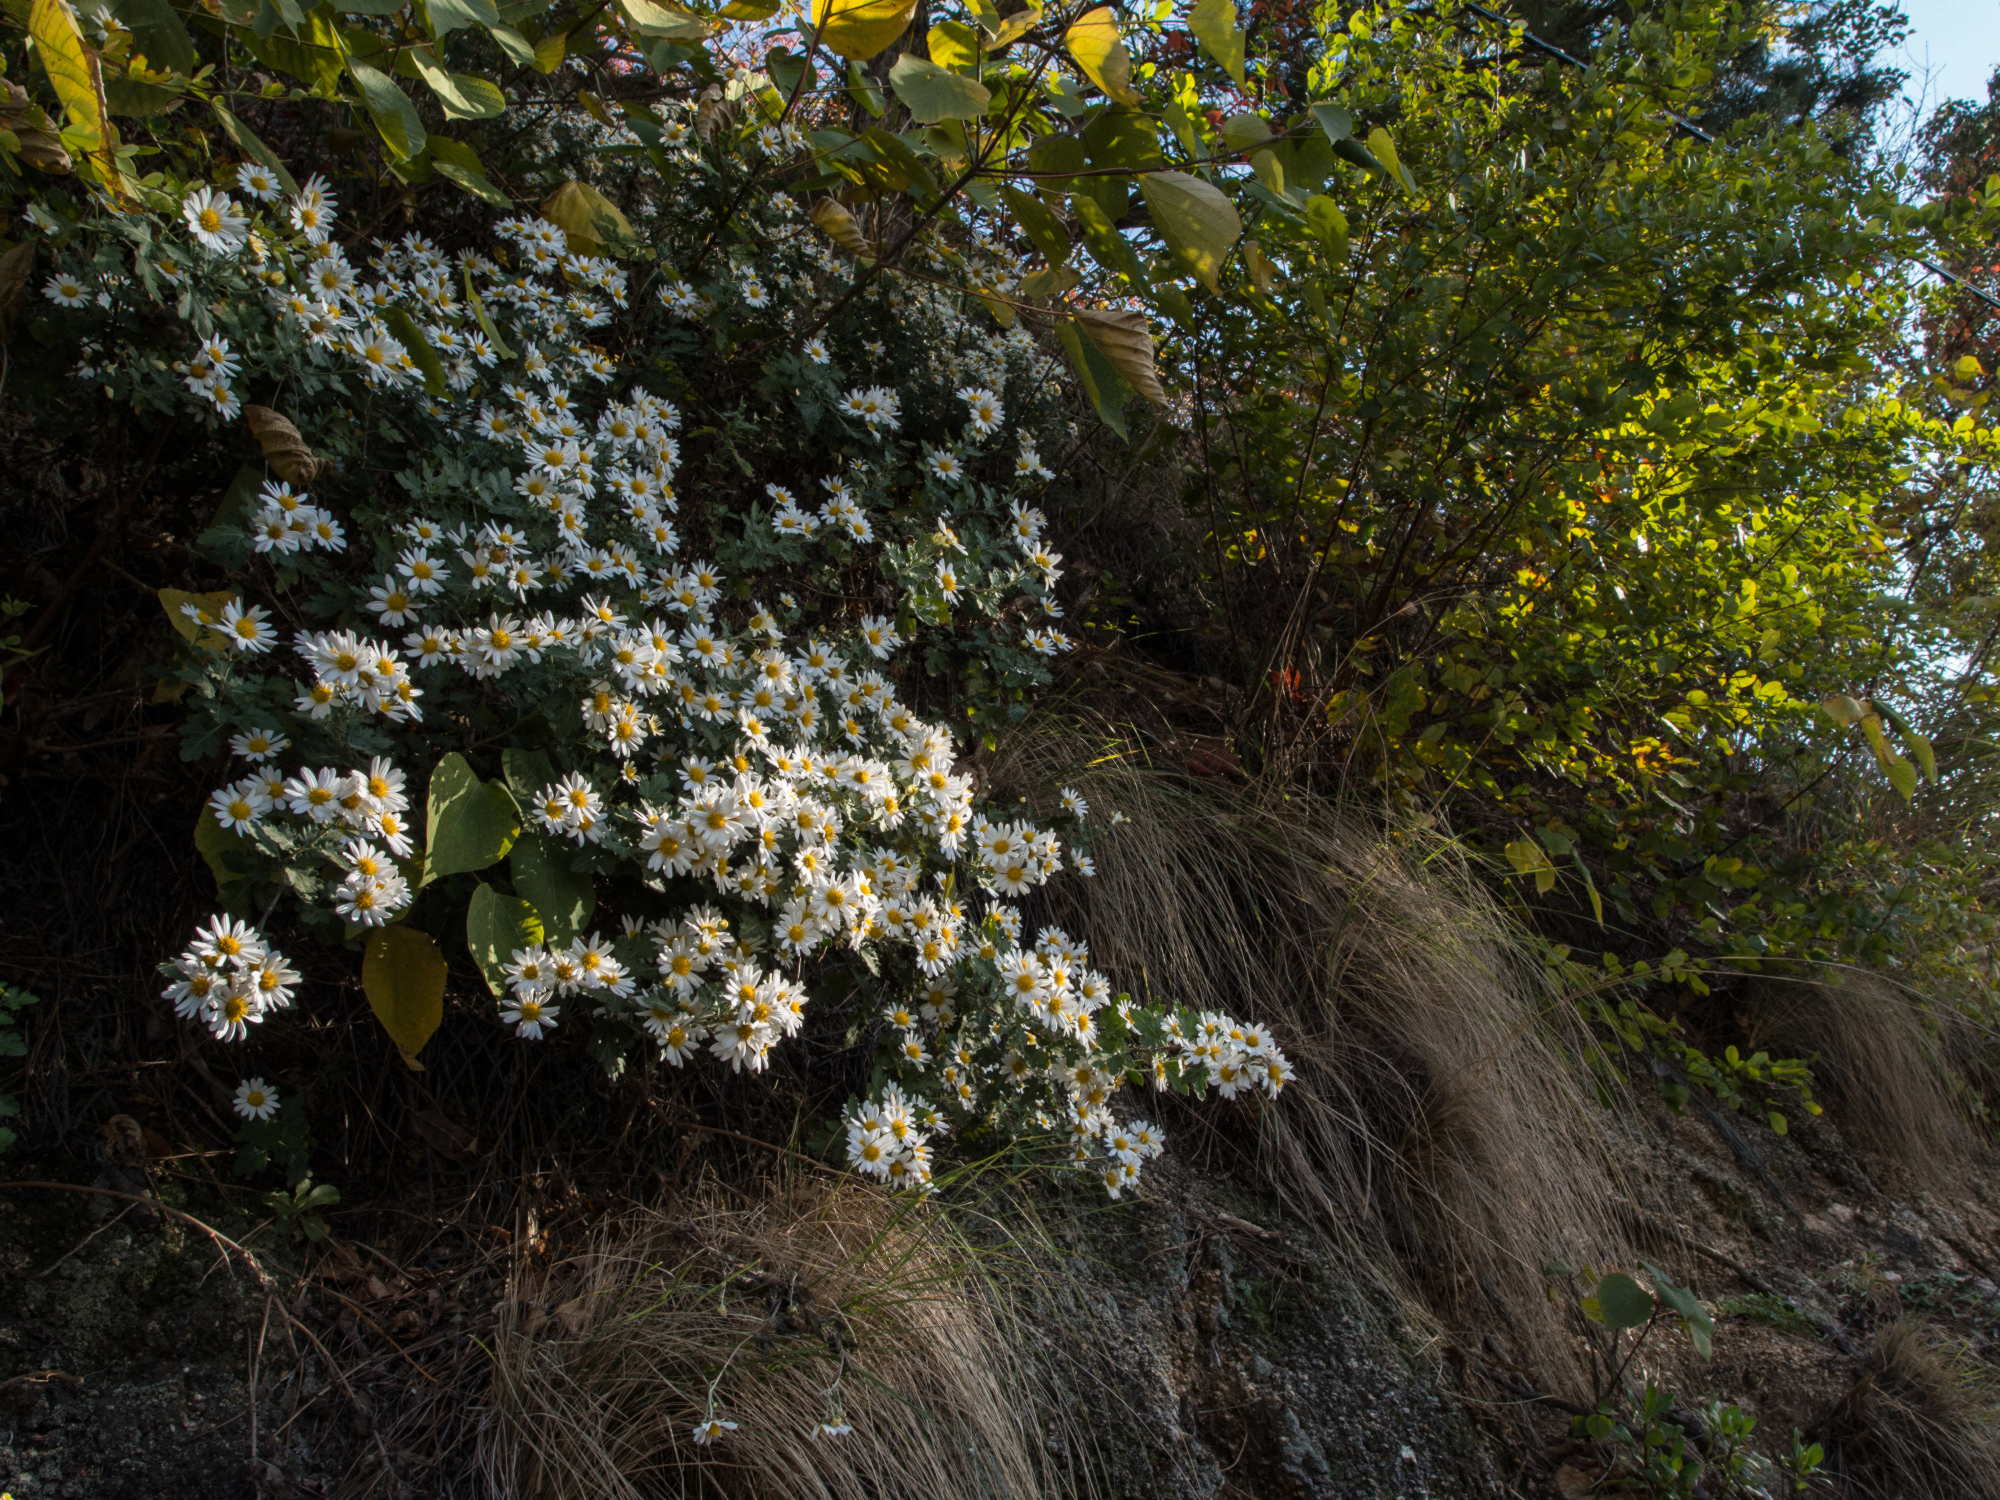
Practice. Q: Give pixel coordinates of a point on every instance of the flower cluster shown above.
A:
(229, 978)
(740, 776)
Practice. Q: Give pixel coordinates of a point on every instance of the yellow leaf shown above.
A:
(72, 68)
(860, 29)
(1017, 26)
(550, 51)
(209, 606)
(1262, 272)
(839, 226)
(1093, 41)
(402, 973)
(590, 221)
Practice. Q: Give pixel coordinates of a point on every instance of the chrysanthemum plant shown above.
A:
(578, 602)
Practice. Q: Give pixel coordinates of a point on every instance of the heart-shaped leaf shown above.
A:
(402, 974)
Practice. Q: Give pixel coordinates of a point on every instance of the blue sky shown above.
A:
(1957, 42)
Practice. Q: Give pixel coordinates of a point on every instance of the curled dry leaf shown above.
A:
(841, 227)
(1125, 338)
(284, 449)
(16, 264)
(38, 143)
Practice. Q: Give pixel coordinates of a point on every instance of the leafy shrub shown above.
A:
(644, 570)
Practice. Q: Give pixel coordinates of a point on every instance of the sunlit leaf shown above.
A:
(861, 29)
(1092, 40)
(1213, 23)
(931, 93)
(1195, 218)
(395, 117)
(591, 222)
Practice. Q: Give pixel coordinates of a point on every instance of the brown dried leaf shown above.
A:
(284, 449)
(124, 1141)
(1126, 339)
(16, 265)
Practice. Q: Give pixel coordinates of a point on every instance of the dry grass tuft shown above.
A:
(604, 1362)
(1923, 1420)
(1887, 1065)
(1440, 1105)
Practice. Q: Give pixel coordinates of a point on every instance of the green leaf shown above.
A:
(861, 29)
(403, 974)
(464, 97)
(478, 305)
(1385, 151)
(1198, 223)
(668, 22)
(1335, 121)
(1213, 23)
(495, 926)
(932, 93)
(1351, 150)
(841, 227)
(1902, 776)
(395, 117)
(550, 51)
(1623, 1303)
(1240, 132)
(1097, 375)
(1017, 26)
(1107, 246)
(447, 16)
(1700, 1326)
(591, 222)
(252, 145)
(458, 163)
(526, 772)
(171, 600)
(1123, 138)
(471, 823)
(399, 322)
(862, 90)
(564, 897)
(221, 850)
(1042, 226)
(1093, 41)
(158, 33)
(520, 51)
(1324, 218)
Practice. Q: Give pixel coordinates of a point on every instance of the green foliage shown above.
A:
(1649, 1440)
(302, 1210)
(12, 1044)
